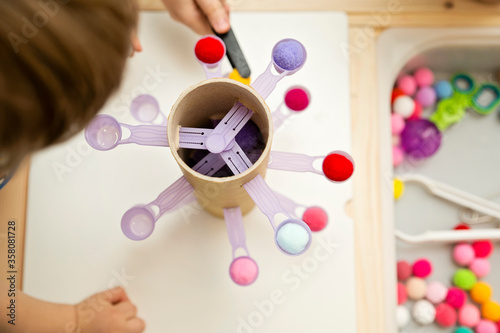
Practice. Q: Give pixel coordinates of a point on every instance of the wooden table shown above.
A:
(367, 19)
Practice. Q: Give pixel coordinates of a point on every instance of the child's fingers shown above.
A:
(216, 14)
(116, 295)
(136, 325)
(126, 308)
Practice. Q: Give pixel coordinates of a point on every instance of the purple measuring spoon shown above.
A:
(138, 223)
(243, 269)
(145, 108)
(105, 133)
(296, 99)
(288, 57)
(302, 163)
(212, 70)
(292, 236)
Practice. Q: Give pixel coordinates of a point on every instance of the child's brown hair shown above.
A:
(59, 62)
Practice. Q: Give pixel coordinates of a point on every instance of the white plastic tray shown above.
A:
(179, 276)
(468, 158)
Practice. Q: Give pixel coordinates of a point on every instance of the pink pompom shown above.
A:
(446, 316)
(417, 111)
(463, 254)
(469, 315)
(422, 268)
(397, 123)
(316, 218)
(398, 156)
(243, 271)
(436, 292)
(407, 84)
(297, 99)
(483, 248)
(486, 326)
(424, 77)
(426, 96)
(456, 297)
(480, 267)
(401, 294)
(404, 270)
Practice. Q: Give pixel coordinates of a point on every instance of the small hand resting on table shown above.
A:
(106, 312)
(199, 15)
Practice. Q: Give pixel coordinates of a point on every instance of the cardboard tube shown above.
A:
(197, 105)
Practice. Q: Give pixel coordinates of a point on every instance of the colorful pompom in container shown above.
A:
(491, 311)
(407, 84)
(486, 326)
(426, 96)
(469, 315)
(481, 267)
(463, 254)
(401, 294)
(398, 156)
(423, 312)
(402, 316)
(422, 268)
(404, 106)
(443, 89)
(456, 297)
(436, 292)
(483, 248)
(464, 279)
(397, 123)
(416, 288)
(446, 316)
(481, 292)
(404, 270)
(424, 77)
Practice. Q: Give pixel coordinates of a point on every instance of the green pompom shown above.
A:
(464, 279)
(463, 330)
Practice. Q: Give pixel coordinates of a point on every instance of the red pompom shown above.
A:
(337, 167)
(209, 50)
(316, 218)
(395, 94)
(297, 99)
(462, 226)
(446, 316)
(483, 248)
(401, 294)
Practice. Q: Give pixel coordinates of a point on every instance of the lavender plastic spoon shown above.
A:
(292, 236)
(138, 223)
(146, 109)
(243, 269)
(301, 163)
(288, 56)
(105, 133)
(236, 159)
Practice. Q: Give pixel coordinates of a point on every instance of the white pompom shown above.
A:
(404, 106)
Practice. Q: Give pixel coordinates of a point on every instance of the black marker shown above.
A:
(234, 53)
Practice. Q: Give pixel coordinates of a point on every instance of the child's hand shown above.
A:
(108, 312)
(197, 14)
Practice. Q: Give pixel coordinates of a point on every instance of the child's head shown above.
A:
(59, 62)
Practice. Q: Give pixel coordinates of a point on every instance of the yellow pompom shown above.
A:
(399, 188)
(235, 75)
(481, 292)
(491, 311)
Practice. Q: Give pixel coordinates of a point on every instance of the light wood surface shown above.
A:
(367, 18)
(352, 6)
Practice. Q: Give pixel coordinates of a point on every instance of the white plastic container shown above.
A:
(467, 159)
